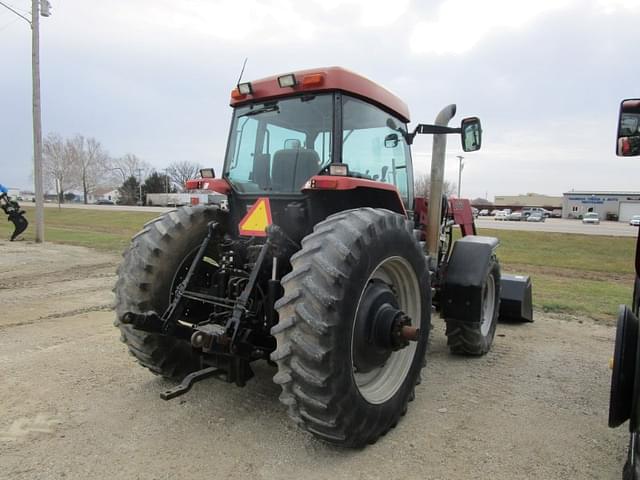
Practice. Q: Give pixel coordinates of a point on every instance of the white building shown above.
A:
(609, 205)
(101, 194)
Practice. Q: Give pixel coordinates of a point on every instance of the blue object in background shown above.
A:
(3, 189)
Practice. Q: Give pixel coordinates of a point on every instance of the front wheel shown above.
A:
(474, 336)
(346, 371)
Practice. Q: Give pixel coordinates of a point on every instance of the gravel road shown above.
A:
(73, 404)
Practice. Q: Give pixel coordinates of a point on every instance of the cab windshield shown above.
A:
(277, 146)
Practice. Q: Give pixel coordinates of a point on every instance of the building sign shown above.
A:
(592, 200)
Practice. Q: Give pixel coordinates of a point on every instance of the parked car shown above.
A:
(501, 215)
(591, 217)
(494, 211)
(536, 217)
(635, 221)
(516, 216)
(474, 211)
(104, 202)
(530, 210)
(484, 212)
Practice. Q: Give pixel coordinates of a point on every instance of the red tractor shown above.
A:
(319, 260)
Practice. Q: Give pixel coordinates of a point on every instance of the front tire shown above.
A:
(353, 258)
(474, 336)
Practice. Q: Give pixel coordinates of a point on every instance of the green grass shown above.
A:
(585, 275)
(104, 230)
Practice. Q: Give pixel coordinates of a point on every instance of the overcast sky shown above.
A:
(153, 77)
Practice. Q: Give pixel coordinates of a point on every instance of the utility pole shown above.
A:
(37, 121)
(139, 170)
(38, 7)
(460, 167)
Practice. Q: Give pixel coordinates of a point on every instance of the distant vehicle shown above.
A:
(516, 216)
(494, 211)
(556, 213)
(501, 215)
(104, 202)
(530, 210)
(591, 217)
(535, 217)
(635, 221)
(484, 212)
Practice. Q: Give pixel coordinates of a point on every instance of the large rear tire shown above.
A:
(352, 259)
(474, 336)
(146, 280)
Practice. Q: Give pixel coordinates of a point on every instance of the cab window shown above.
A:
(374, 146)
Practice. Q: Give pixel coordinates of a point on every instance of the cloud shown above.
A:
(461, 24)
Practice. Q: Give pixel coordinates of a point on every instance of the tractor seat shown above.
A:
(292, 167)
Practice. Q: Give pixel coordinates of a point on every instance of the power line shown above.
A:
(16, 12)
(20, 9)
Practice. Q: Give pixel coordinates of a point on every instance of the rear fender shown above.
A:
(464, 276)
(341, 193)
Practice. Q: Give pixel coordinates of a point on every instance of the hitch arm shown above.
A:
(177, 306)
(239, 309)
(188, 381)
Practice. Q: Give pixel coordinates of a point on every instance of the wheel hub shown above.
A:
(381, 328)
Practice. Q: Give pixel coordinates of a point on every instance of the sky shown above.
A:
(153, 78)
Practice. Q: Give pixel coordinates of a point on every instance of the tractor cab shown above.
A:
(287, 131)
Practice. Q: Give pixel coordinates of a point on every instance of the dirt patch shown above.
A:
(73, 404)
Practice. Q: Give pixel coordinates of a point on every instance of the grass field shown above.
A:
(586, 275)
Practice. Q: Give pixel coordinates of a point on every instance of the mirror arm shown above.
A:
(424, 128)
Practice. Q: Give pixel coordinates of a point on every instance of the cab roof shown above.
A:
(323, 80)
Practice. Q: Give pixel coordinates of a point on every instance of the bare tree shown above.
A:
(89, 160)
(421, 185)
(58, 165)
(180, 172)
(130, 165)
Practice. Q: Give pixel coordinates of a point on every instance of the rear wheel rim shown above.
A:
(382, 383)
(488, 305)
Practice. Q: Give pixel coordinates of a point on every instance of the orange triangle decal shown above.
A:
(257, 219)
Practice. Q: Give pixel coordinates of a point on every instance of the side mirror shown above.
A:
(628, 139)
(391, 140)
(471, 133)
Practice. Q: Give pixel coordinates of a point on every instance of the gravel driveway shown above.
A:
(73, 404)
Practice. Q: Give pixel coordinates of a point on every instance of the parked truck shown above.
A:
(624, 403)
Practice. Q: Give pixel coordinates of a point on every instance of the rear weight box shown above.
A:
(466, 272)
(515, 298)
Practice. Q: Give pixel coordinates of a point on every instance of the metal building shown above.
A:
(609, 205)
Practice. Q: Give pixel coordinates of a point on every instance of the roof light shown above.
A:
(312, 80)
(245, 88)
(287, 81)
(207, 173)
(341, 169)
(236, 95)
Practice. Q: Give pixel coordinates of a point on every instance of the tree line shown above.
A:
(82, 163)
